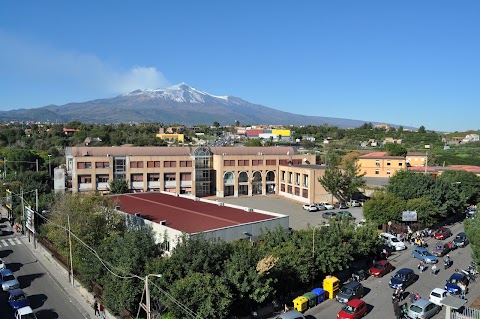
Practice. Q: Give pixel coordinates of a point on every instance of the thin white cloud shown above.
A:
(20, 58)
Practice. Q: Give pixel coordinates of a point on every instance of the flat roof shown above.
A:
(380, 155)
(185, 214)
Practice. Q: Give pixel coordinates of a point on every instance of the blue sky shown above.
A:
(404, 62)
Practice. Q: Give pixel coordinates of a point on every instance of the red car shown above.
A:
(353, 309)
(381, 268)
(442, 233)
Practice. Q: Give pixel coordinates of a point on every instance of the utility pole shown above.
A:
(4, 167)
(35, 220)
(147, 306)
(37, 165)
(70, 244)
(49, 166)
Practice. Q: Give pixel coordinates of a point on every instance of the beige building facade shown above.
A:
(380, 164)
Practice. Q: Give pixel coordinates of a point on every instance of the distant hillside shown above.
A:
(177, 104)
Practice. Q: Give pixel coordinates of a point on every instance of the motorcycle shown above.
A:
(447, 263)
(397, 295)
(359, 275)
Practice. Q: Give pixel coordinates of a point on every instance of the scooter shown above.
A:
(447, 263)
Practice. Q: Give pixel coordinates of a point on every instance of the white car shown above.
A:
(2, 264)
(355, 203)
(437, 295)
(392, 241)
(310, 207)
(326, 205)
(25, 313)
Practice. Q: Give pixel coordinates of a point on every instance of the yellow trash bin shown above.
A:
(331, 285)
(300, 303)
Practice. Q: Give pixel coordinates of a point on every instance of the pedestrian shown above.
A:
(411, 296)
(397, 310)
(462, 287)
(95, 307)
(417, 296)
(286, 308)
(434, 269)
(101, 313)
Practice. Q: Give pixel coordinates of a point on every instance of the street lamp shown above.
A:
(49, 166)
(146, 306)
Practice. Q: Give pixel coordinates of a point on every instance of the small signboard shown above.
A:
(29, 219)
(409, 216)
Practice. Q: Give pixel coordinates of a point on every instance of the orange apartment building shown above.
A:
(380, 164)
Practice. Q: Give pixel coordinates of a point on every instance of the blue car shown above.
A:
(403, 278)
(452, 284)
(17, 299)
(425, 255)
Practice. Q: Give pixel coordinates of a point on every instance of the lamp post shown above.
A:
(146, 306)
(49, 166)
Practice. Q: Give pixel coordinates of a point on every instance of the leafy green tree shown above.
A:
(395, 149)
(365, 241)
(409, 185)
(118, 186)
(254, 142)
(468, 184)
(342, 182)
(384, 207)
(127, 254)
(205, 294)
(216, 124)
(472, 229)
(421, 129)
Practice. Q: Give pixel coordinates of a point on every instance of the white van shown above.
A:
(437, 295)
(392, 241)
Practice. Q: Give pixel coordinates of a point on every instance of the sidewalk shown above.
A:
(75, 297)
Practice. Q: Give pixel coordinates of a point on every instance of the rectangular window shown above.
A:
(290, 174)
(377, 172)
(257, 162)
(282, 187)
(169, 177)
(272, 162)
(88, 164)
(152, 164)
(85, 179)
(185, 176)
(388, 172)
(243, 163)
(297, 179)
(185, 163)
(305, 180)
(305, 193)
(283, 176)
(169, 164)
(400, 164)
(297, 191)
(289, 189)
(377, 163)
(297, 162)
(136, 164)
(102, 164)
(80, 165)
(136, 177)
(388, 163)
(153, 177)
(283, 162)
(103, 178)
(229, 163)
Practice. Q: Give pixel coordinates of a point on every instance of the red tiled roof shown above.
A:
(380, 155)
(468, 168)
(416, 154)
(185, 214)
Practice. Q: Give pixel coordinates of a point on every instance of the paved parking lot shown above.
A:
(299, 218)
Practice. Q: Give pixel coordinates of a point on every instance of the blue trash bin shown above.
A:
(320, 292)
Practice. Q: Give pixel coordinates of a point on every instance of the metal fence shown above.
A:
(467, 313)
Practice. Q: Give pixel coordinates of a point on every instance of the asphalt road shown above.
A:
(46, 297)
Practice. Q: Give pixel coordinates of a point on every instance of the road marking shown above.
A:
(10, 242)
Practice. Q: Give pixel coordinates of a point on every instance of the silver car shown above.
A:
(8, 280)
(423, 309)
(2, 264)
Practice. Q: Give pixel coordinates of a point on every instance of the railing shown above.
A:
(467, 313)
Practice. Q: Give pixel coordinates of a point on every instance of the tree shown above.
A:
(472, 229)
(118, 186)
(216, 124)
(254, 142)
(468, 184)
(395, 149)
(409, 185)
(384, 207)
(342, 182)
(421, 129)
(205, 294)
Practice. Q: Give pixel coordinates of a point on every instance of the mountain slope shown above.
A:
(177, 104)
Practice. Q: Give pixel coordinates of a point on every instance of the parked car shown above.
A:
(327, 205)
(320, 207)
(423, 309)
(403, 278)
(354, 203)
(345, 214)
(2, 264)
(441, 249)
(380, 268)
(17, 299)
(353, 309)
(342, 205)
(25, 313)
(8, 280)
(442, 233)
(392, 241)
(310, 207)
(328, 215)
(452, 283)
(292, 314)
(461, 240)
(437, 295)
(352, 290)
(425, 255)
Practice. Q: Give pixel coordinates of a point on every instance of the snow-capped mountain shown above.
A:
(180, 104)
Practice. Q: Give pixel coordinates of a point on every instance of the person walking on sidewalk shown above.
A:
(95, 307)
(102, 313)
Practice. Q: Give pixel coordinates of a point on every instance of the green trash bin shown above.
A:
(312, 299)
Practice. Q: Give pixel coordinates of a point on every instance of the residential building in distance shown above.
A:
(169, 137)
(415, 159)
(380, 164)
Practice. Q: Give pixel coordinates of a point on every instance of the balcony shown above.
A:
(170, 184)
(186, 184)
(153, 184)
(85, 186)
(102, 186)
(137, 185)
